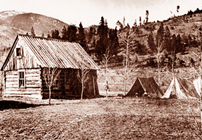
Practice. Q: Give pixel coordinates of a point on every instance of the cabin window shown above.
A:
(21, 79)
(18, 52)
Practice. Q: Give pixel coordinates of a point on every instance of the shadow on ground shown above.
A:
(14, 105)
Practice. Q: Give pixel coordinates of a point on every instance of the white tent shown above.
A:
(197, 85)
(178, 90)
(174, 89)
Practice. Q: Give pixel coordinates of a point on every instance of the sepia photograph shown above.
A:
(100, 69)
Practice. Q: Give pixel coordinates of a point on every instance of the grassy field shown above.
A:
(101, 118)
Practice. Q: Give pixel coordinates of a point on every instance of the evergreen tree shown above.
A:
(48, 35)
(64, 33)
(141, 49)
(160, 35)
(113, 42)
(71, 33)
(90, 33)
(81, 37)
(140, 20)
(55, 34)
(120, 25)
(179, 45)
(32, 32)
(135, 23)
(147, 16)
(151, 43)
(103, 40)
(42, 35)
(167, 39)
(173, 46)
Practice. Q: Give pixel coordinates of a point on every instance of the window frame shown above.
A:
(21, 79)
(20, 50)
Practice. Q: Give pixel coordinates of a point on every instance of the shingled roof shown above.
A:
(57, 53)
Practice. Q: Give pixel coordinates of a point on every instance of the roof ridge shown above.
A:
(54, 39)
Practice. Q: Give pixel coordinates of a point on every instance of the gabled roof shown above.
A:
(56, 53)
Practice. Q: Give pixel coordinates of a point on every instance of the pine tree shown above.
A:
(48, 35)
(90, 33)
(64, 33)
(160, 34)
(55, 34)
(32, 32)
(113, 42)
(140, 20)
(173, 46)
(179, 45)
(82, 38)
(151, 43)
(42, 35)
(147, 16)
(71, 33)
(103, 40)
(167, 39)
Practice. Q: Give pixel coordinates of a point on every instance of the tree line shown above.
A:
(100, 41)
(104, 44)
(170, 45)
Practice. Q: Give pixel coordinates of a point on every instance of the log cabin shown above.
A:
(29, 58)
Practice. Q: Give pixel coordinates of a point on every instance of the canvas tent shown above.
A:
(197, 85)
(181, 89)
(146, 86)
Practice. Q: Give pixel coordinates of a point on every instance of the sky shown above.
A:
(89, 12)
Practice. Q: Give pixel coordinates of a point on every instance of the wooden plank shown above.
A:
(21, 94)
(32, 80)
(32, 75)
(33, 86)
(33, 83)
(11, 86)
(14, 82)
(12, 73)
(11, 80)
(26, 86)
(11, 76)
(33, 71)
(23, 90)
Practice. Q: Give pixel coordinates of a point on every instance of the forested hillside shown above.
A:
(173, 40)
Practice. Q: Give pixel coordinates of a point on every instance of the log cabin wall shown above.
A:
(68, 85)
(91, 86)
(14, 85)
(22, 61)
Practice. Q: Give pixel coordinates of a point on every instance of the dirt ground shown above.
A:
(101, 118)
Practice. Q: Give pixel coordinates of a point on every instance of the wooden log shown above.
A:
(32, 75)
(11, 76)
(22, 89)
(33, 71)
(11, 86)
